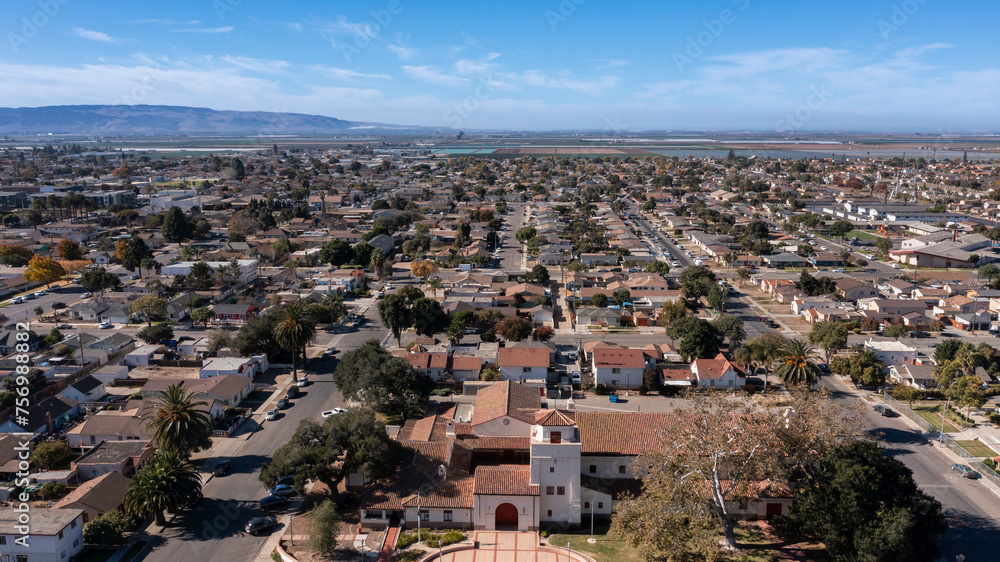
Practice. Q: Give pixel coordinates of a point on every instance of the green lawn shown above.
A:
(864, 235)
(932, 415)
(977, 448)
(756, 546)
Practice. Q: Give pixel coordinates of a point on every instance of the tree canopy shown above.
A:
(864, 505)
(371, 376)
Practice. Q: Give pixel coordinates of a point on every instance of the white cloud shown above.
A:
(224, 29)
(295, 26)
(257, 65)
(433, 76)
(404, 53)
(348, 75)
(95, 35)
(562, 80)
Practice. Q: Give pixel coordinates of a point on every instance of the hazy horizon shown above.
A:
(571, 65)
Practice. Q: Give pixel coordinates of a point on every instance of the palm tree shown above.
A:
(434, 283)
(168, 481)
(178, 423)
(377, 262)
(798, 366)
(293, 331)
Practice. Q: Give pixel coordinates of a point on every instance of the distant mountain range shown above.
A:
(116, 120)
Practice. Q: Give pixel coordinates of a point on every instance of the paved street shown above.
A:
(214, 530)
(971, 509)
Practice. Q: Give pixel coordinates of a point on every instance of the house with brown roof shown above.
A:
(520, 363)
(718, 373)
(620, 368)
(98, 496)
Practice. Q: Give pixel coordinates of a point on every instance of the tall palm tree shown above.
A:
(434, 283)
(377, 262)
(178, 423)
(798, 365)
(168, 481)
(293, 331)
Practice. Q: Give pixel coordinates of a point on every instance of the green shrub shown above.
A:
(451, 537)
(995, 418)
(406, 539)
(601, 390)
(441, 392)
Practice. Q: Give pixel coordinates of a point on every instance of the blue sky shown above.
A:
(912, 66)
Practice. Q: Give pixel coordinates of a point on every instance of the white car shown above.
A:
(894, 266)
(823, 248)
(303, 381)
(106, 325)
(840, 270)
(271, 414)
(333, 412)
(575, 377)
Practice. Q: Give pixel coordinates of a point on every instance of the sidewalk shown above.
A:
(948, 453)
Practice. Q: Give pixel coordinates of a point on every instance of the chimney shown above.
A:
(48, 422)
(450, 428)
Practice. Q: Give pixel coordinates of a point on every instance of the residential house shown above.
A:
(228, 389)
(892, 352)
(718, 373)
(122, 457)
(56, 535)
(853, 290)
(45, 416)
(917, 376)
(96, 497)
(87, 389)
(620, 368)
(248, 367)
(520, 363)
(233, 313)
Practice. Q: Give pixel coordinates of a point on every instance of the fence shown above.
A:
(933, 432)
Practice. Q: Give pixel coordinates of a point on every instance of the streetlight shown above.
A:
(569, 551)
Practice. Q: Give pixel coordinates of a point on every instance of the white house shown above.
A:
(618, 368)
(892, 352)
(246, 366)
(56, 535)
(718, 373)
(87, 389)
(141, 356)
(519, 363)
(248, 268)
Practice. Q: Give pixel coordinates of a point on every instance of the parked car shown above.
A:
(282, 403)
(333, 412)
(16, 300)
(894, 266)
(571, 356)
(883, 410)
(64, 327)
(271, 414)
(303, 380)
(58, 305)
(283, 490)
(271, 502)
(292, 392)
(258, 524)
(87, 295)
(574, 377)
(286, 480)
(470, 330)
(105, 325)
(223, 468)
(965, 471)
(41, 293)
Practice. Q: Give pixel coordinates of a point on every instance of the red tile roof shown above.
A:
(506, 399)
(466, 363)
(621, 433)
(714, 368)
(504, 480)
(523, 357)
(500, 443)
(553, 418)
(455, 493)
